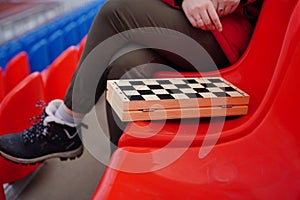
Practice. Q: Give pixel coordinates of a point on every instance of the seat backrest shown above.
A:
(82, 26)
(39, 56)
(58, 75)
(254, 71)
(56, 44)
(258, 73)
(16, 70)
(16, 109)
(71, 35)
(3, 55)
(14, 47)
(19, 104)
(2, 194)
(2, 86)
(284, 95)
(28, 40)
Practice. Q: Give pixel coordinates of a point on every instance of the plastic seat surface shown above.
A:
(253, 73)
(58, 75)
(16, 109)
(262, 170)
(16, 70)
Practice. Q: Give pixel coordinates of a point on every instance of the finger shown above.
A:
(207, 21)
(192, 21)
(215, 3)
(215, 18)
(200, 23)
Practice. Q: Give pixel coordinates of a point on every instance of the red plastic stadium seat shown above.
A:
(2, 195)
(2, 86)
(248, 169)
(16, 109)
(16, 70)
(58, 75)
(253, 73)
(265, 164)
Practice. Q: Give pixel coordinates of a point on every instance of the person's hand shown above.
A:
(202, 14)
(225, 7)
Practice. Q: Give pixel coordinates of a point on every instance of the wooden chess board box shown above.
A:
(175, 98)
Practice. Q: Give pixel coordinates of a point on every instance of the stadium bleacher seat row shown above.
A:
(45, 43)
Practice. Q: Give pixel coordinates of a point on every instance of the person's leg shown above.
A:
(121, 17)
(111, 30)
(118, 16)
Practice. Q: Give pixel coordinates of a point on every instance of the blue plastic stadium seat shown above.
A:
(3, 55)
(42, 32)
(13, 48)
(54, 25)
(82, 26)
(91, 16)
(39, 56)
(71, 35)
(56, 44)
(28, 40)
(64, 21)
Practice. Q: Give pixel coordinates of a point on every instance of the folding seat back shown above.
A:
(2, 86)
(16, 109)
(28, 40)
(14, 48)
(39, 56)
(71, 35)
(16, 70)
(2, 194)
(82, 26)
(56, 44)
(3, 55)
(58, 75)
(252, 73)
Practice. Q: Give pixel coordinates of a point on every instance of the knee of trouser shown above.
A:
(111, 8)
(135, 64)
(117, 71)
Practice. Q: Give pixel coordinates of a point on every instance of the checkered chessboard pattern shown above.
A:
(177, 88)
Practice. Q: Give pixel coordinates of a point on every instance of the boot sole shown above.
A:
(62, 155)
